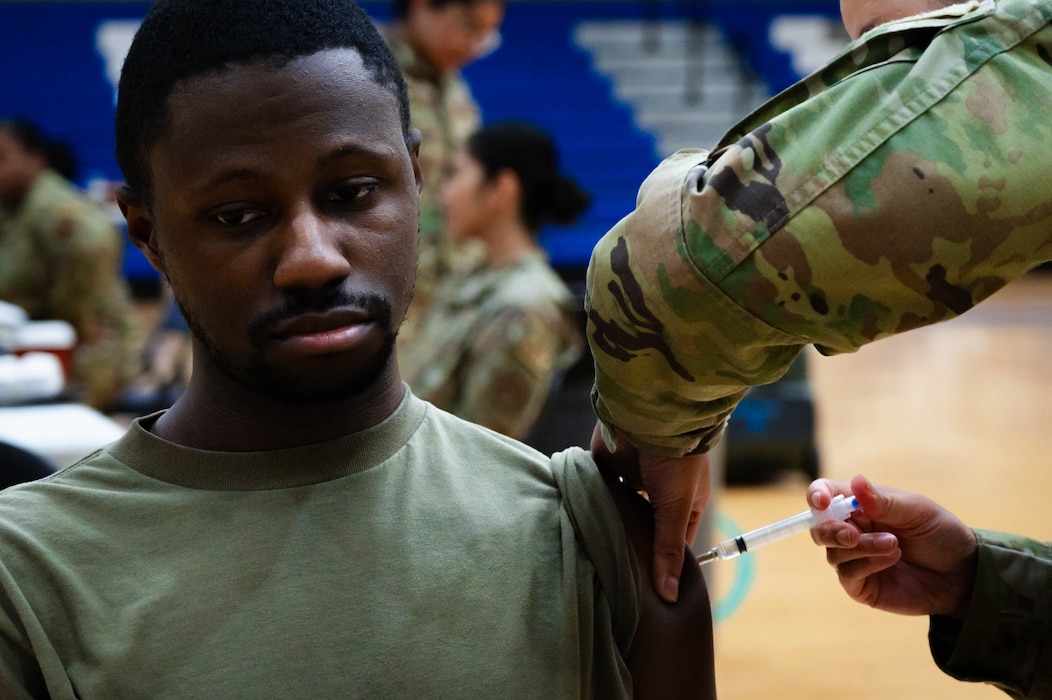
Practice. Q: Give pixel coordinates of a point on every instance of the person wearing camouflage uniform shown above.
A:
(444, 110)
(898, 186)
(60, 260)
(1005, 637)
(491, 351)
(497, 340)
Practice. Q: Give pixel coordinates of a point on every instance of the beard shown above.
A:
(284, 384)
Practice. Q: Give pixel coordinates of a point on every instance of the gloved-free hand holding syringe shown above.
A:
(840, 509)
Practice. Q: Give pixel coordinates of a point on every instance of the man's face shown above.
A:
(455, 34)
(285, 218)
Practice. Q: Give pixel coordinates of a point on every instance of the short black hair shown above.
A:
(181, 39)
(401, 7)
(530, 152)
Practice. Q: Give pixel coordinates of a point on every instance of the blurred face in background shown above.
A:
(455, 34)
(469, 202)
(19, 168)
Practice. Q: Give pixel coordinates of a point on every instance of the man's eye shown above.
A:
(238, 217)
(352, 193)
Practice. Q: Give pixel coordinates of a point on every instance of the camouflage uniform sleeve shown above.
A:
(896, 188)
(1006, 636)
(510, 367)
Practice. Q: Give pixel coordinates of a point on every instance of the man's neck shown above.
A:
(218, 417)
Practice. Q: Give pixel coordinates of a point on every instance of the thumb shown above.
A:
(894, 508)
(880, 505)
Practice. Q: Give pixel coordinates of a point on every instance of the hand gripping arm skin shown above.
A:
(989, 594)
(897, 187)
(671, 654)
(677, 489)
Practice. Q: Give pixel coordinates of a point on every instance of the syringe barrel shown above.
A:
(839, 509)
(728, 549)
(777, 531)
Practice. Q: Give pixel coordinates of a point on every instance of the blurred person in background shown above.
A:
(432, 40)
(60, 259)
(496, 340)
(163, 371)
(988, 594)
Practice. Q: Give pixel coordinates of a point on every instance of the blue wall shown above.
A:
(55, 73)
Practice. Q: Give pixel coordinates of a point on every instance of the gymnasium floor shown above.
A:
(959, 411)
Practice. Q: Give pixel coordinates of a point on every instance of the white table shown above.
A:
(60, 433)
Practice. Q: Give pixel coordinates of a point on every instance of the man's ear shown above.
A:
(140, 227)
(414, 156)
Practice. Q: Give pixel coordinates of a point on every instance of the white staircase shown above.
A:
(684, 83)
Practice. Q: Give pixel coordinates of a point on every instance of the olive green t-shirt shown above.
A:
(422, 558)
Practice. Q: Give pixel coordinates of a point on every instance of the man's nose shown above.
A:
(311, 255)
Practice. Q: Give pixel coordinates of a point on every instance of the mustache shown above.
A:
(376, 305)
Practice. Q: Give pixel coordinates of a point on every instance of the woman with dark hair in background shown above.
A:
(60, 259)
(498, 339)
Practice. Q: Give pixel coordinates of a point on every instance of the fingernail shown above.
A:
(884, 540)
(670, 589)
(844, 537)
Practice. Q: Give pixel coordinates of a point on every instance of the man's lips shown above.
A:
(323, 333)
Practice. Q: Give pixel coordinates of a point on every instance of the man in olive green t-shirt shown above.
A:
(298, 524)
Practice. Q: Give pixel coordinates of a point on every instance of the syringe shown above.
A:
(840, 509)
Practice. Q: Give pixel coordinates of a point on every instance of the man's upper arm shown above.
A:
(672, 652)
(667, 649)
(20, 674)
(20, 677)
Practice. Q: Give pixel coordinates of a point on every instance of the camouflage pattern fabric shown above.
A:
(443, 109)
(899, 186)
(60, 259)
(494, 344)
(1006, 636)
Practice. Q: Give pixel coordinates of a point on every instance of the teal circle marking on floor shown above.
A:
(744, 573)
